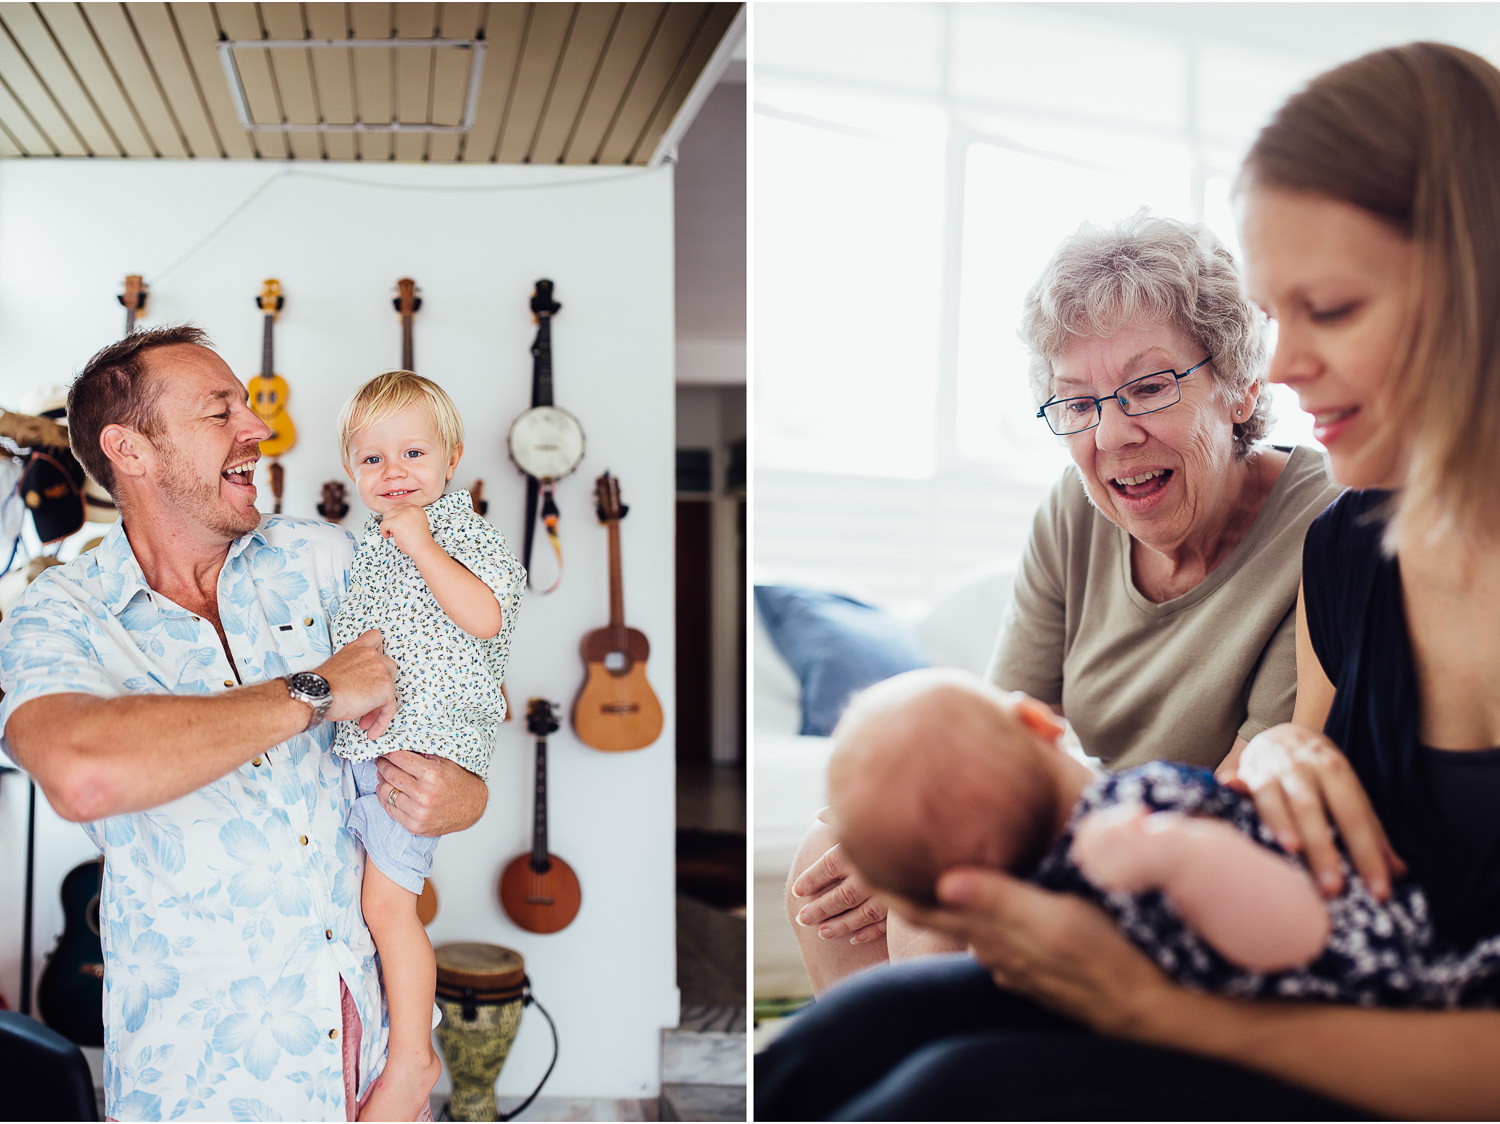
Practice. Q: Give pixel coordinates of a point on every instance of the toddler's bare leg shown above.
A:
(411, 1067)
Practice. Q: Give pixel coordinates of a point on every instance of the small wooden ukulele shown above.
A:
(617, 709)
(539, 891)
(268, 390)
(134, 299)
(407, 303)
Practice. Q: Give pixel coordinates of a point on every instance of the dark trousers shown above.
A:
(935, 1039)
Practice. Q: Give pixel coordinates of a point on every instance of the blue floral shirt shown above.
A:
(228, 917)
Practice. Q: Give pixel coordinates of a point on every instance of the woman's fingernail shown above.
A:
(1329, 880)
(1380, 888)
(826, 933)
(803, 918)
(859, 938)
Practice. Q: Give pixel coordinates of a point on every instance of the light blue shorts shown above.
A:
(404, 858)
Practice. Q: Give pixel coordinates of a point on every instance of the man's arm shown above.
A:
(96, 757)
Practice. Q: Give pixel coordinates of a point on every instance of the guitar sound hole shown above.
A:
(620, 708)
(616, 662)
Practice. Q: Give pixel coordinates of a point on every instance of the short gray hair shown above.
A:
(1148, 270)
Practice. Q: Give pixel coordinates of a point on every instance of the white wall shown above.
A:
(70, 231)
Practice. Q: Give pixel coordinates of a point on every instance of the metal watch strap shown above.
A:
(319, 707)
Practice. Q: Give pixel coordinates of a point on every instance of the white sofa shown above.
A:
(957, 630)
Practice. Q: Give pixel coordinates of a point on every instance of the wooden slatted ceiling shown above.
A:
(562, 83)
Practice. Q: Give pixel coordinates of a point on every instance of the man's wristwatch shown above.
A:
(311, 688)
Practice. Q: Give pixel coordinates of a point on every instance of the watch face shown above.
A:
(309, 683)
(546, 442)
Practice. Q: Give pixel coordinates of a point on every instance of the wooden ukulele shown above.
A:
(134, 299)
(407, 303)
(70, 994)
(617, 709)
(539, 891)
(268, 391)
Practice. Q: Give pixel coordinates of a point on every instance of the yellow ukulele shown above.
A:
(617, 709)
(268, 390)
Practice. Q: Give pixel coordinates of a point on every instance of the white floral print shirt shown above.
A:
(448, 699)
(228, 916)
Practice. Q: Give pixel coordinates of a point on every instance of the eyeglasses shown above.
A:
(1143, 395)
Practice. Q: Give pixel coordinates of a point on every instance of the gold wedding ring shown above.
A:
(395, 792)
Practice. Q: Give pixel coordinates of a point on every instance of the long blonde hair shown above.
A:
(1412, 136)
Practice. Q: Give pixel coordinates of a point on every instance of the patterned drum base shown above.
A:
(475, 1052)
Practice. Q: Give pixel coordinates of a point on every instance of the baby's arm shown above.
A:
(469, 603)
(1255, 908)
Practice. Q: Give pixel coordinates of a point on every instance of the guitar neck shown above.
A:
(406, 348)
(616, 583)
(539, 823)
(267, 366)
(541, 363)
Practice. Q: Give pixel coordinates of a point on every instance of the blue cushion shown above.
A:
(836, 646)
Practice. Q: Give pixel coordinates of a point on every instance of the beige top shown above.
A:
(1176, 681)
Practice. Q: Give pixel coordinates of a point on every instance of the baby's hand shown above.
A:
(1114, 849)
(406, 526)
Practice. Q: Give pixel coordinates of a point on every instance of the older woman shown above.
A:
(1372, 234)
(1154, 604)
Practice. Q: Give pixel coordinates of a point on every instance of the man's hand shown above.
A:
(406, 525)
(434, 796)
(363, 680)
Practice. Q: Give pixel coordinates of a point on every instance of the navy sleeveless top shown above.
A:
(1440, 808)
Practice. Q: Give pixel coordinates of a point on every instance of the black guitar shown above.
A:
(70, 994)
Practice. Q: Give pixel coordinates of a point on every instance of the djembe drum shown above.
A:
(480, 990)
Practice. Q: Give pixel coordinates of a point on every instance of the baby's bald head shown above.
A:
(933, 769)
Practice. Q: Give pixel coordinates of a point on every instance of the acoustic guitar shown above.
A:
(134, 299)
(617, 709)
(70, 993)
(407, 303)
(539, 891)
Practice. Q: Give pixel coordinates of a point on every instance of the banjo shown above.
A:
(545, 442)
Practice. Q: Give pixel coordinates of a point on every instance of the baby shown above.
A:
(935, 769)
(443, 589)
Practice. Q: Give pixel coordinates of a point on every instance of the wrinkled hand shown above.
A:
(1301, 781)
(406, 525)
(435, 796)
(1054, 948)
(840, 902)
(363, 680)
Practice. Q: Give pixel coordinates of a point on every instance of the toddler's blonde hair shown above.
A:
(385, 396)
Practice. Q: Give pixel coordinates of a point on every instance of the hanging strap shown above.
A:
(549, 520)
(536, 490)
